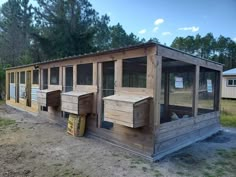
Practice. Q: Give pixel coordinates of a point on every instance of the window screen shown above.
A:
(12, 77)
(85, 74)
(134, 72)
(54, 76)
(35, 76)
(22, 77)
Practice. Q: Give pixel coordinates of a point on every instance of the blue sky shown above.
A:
(166, 19)
(173, 17)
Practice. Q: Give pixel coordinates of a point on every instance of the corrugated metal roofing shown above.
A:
(230, 72)
(150, 43)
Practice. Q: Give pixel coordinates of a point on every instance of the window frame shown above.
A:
(34, 78)
(58, 79)
(77, 73)
(123, 71)
(12, 78)
(233, 82)
(21, 77)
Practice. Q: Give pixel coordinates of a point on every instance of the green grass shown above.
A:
(228, 113)
(225, 164)
(6, 122)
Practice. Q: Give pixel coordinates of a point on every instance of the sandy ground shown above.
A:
(36, 146)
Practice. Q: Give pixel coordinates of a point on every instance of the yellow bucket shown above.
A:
(76, 125)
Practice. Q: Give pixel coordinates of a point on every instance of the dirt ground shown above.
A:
(37, 147)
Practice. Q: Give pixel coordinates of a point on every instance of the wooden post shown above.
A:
(118, 73)
(167, 92)
(217, 90)
(196, 90)
(99, 100)
(157, 97)
(49, 75)
(95, 68)
(74, 76)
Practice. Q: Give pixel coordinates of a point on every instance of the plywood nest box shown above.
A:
(128, 110)
(77, 102)
(49, 98)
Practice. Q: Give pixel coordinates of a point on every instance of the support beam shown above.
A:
(99, 98)
(157, 98)
(196, 90)
(217, 90)
(167, 92)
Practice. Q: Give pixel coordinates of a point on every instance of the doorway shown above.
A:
(68, 79)
(106, 88)
(28, 88)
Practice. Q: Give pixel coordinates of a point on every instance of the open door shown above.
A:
(106, 84)
(28, 88)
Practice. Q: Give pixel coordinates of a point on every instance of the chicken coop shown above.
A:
(149, 99)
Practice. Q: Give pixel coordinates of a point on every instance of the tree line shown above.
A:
(221, 49)
(50, 29)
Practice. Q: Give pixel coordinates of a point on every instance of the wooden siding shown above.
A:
(77, 102)
(131, 111)
(228, 92)
(49, 97)
(180, 133)
(22, 89)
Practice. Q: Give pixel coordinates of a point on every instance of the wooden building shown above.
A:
(229, 84)
(148, 98)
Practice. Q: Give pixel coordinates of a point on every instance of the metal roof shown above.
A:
(147, 44)
(230, 72)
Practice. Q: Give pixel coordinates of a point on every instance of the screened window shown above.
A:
(12, 77)
(35, 76)
(54, 76)
(22, 77)
(231, 83)
(134, 72)
(207, 90)
(85, 74)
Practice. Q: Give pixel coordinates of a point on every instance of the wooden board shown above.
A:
(180, 133)
(49, 97)
(128, 110)
(77, 102)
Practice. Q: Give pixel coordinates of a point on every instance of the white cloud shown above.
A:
(158, 21)
(234, 39)
(155, 29)
(193, 28)
(143, 31)
(167, 33)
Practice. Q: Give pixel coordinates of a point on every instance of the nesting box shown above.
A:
(128, 110)
(49, 97)
(77, 102)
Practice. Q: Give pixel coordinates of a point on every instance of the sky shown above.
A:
(166, 19)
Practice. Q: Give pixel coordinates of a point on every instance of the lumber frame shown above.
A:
(157, 96)
(196, 90)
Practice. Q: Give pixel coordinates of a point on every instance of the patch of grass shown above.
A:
(228, 113)
(6, 122)
(158, 173)
(228, 120)
(225, 165)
